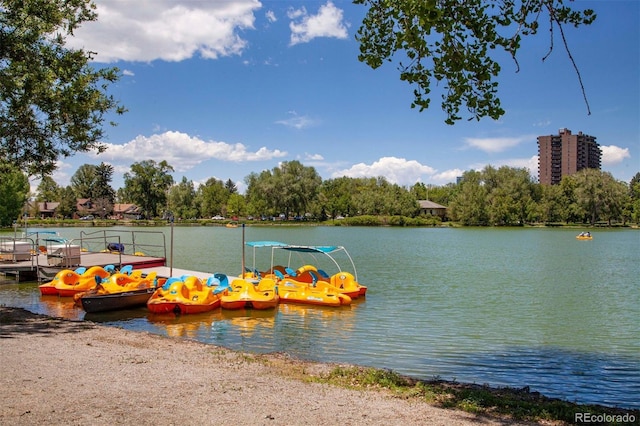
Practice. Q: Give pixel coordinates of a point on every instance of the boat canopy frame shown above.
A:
(324, 250)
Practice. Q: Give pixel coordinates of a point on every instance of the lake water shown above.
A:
(505, 307)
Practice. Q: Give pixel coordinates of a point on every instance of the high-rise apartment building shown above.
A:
(564, 154)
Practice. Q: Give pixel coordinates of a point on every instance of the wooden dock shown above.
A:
(40, 254)
(39, 268)
(29, 259)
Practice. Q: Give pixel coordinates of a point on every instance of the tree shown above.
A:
(634, 198)
(48, 190)
(288, 188)
(469, 204)
(551, 203)
(102, 188)
(231, 186)
(147, 185)
(634, 187)
(212, 197)
(256, 202)
(453, 43)
(509, 195)
(182, 199)
(68, 202)
(236, 205)
(83, 181)
(52, 102)
(14, 190)
(299, 186)
(337, 197)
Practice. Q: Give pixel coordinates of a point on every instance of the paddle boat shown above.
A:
(119, 282)
(245, 294)
(343, 281)
(66, 276)
(72, 285)
(92, 303)
(188, 295)
(584, 236)
(292, 291)
(119, 291)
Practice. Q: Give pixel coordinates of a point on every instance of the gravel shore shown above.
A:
(59, 372)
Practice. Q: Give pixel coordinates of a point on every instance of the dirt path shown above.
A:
(58, 372)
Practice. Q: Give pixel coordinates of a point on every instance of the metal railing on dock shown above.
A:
(138, 243)
(38, 254)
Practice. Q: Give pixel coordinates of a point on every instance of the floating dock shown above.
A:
(38, 267)
(40, 254)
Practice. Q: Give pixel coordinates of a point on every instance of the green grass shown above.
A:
(517, 404)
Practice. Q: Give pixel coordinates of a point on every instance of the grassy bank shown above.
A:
(517, 404)
(373, 221)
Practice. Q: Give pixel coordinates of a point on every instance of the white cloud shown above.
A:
(128, 73)
(543, 123)
(271, 16)
(446, 176)
(493, 145)
(296, 13)
(183, 151)
(327, 23)
(171, 30)
(297, 121)
(612, 154)
(396, 170)
(314, 157)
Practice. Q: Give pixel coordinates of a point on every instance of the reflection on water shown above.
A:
(63, 307)
(184, 325)
(525, 307)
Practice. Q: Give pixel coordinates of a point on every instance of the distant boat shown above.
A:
(584, 236)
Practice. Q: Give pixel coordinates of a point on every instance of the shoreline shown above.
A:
(56, 371)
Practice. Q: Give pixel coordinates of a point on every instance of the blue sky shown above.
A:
(226, 88)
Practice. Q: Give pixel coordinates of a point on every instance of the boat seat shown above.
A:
(170, 281)
(290, 272)
(127, 269)
(323, 274)
(224, 283)
(224, 280)
(212, 281)
(279, 274)
(278, 268)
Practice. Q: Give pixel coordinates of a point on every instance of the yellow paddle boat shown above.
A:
(66, 276)
(584, 236)
(188, 295)
(245, 294)
(292, 291)
(85, 282)
(120, 282)
(342, 282)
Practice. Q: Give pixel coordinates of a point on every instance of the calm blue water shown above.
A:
(505, 307)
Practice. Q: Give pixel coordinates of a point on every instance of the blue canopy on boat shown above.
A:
(265, 244)
(293, 247)
(311, 249)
